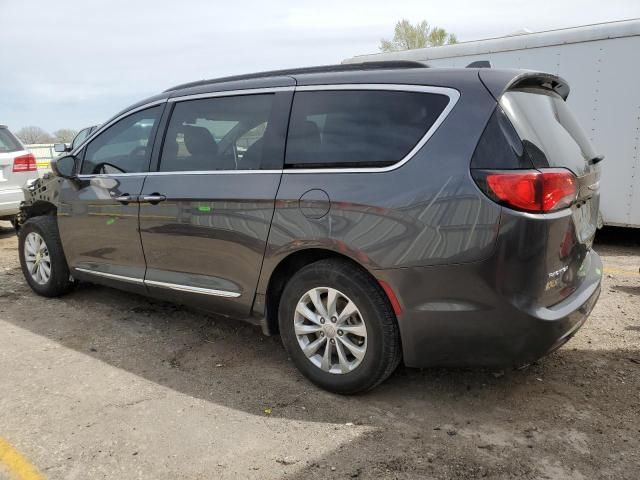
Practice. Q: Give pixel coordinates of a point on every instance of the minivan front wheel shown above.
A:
(42, 258)
(338, 327)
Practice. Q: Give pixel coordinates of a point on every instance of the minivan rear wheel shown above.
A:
(42, 259)
(338, 327)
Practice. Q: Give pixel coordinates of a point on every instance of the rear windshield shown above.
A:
(549, 131)
(8, 143)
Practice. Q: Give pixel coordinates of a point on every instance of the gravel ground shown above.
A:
(107, 384)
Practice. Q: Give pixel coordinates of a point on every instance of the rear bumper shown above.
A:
(10, 199)
(458, 315)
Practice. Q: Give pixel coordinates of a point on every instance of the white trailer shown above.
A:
(600, 62)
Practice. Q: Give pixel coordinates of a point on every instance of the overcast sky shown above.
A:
(72, 63)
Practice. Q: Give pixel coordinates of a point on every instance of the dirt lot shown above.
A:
(106, 384)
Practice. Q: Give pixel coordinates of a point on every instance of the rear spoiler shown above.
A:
(500, 81)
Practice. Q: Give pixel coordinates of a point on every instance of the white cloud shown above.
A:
(72, 62)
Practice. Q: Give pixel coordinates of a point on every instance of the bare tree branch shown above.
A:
(32, 134)
(64, 135)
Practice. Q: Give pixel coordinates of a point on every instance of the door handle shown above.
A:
(125, 199)
(153, 199)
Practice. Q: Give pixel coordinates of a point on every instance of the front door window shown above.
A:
(125, 147)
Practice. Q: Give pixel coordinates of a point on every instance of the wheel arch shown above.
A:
(288, 266)
(39, 208)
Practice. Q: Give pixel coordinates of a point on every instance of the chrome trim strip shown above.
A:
(197, 172)
(401, 87)
(218, 172)
(154, 283)
(231, 93)
(88, 176)
(452, 93)
(186, 288)
(112, 276)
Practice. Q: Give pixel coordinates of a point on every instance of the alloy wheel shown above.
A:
(37, 258)
(330, 330)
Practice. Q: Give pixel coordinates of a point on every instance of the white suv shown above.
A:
(17, 166)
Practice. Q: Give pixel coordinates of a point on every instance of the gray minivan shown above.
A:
(367, 213)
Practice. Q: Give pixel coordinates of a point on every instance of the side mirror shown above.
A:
(64, 167)
(61, 147)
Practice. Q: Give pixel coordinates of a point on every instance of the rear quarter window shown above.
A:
(500, 147)
(8, 143)
(373, 128)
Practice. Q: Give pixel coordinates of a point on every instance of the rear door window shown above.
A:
(219, 133)
(8, 143)
(358, 128)
(549, 131)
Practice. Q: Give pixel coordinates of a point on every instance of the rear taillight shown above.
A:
(25, 163)
(536, 191)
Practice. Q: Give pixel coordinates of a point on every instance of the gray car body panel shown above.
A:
(100, 234)
(212, 237)
(455, 259)
(425, 212)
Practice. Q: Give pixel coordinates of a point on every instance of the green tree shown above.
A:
(407, 37)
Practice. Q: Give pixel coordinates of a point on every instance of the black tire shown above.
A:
(59, 281)
(14, 223)
(383, 351)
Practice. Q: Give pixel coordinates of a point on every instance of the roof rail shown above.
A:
(381, 65)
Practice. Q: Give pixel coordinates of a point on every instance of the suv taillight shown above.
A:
(537, 191)
(25, 163)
